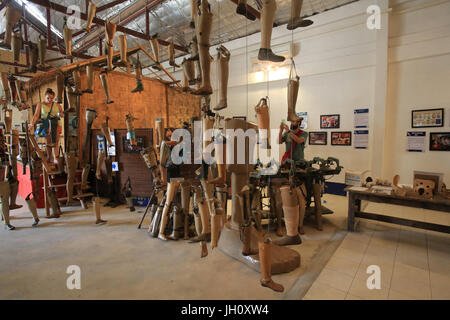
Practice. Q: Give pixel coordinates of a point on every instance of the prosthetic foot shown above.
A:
(4, 196)
(172, 188)
(96, 208)
(223, 59)
(92, 8)
(242, 10)
(295, 20)
(172, 55)
(265, 259)
(267, 17)
(104, 81)
(13, 195)
(31, 203)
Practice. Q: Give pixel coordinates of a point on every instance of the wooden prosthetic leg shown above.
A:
(8, 119)
(14, 186)
(172, 55)
(267, 17)
(4, 196)
(276, 202)
(42, 48)
(67, 34)
(107, 133)
(91, 114)
(197, 218)
(60, 87)
(291, 217)
(12, 17)
(265, 258)
(262, 114)
(100, 158)
(71, 168)
(301, 196)
(223, 59)
(154, 42)
(84, 176)
(159, 132)
(31, 203)
(16, 45)
(203, 210)
(77, 81)
(203, 31)
(51, 198)
(139, 84)
(243, 10)
(292, 92)
(110, 31)
(123, 62)
(194, 13)
(96, 208)
(34, 55)
(172, 188)
(296, 21)
(89, 78)
(185, 204)
(92, 8)
(104, 81)
(188, 71)
(71, 100)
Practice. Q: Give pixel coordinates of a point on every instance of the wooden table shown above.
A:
(438, 203)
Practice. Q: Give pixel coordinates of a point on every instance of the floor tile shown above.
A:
(440, 286)
(411, 281)
(395, 295)
(335, 279)
(412, 255)
(343, 265)
(355, 256)
(352, 297)
(319, 291)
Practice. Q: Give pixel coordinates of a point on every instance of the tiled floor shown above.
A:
(414, 263)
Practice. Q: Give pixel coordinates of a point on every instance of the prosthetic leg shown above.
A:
(195, 58)
(34, 55)
(223, 59)
(60, 87)
(107, 133)
(185, 204)
(71, 100)
(172, 55)
(92, 8)
(16, 44)
(51, 197)
(12, 17)
(291, 217)
(159, 132)
(296, 21)
(123, 62)
(104, 81)
(42, 47)
(31, 203)
(156, 221)
(71, 168)
(96, 208)
(84, 176)
(100, 158)
(13, 195)
(178, 223)
(89, 78)
(172, 188)
(67, 33)
(154, 42)
(203, 31)
(276, 202)
(131, 135)
(8, 119)
(110, 30)
(194, 13)
(267, 18)
(139, 85)
(265, 258)
(188, 71)
(91, 114)
(77, 80)
(242, 10)
(301, 195)
(4, 195)
(262, 114)
(197, 218)
(293, 85)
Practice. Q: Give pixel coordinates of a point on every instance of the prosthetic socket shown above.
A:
(67, 33)
(90, 78)
(12, 17)
(262, 114)
(223, 59)
(291, 216)
(110, 30)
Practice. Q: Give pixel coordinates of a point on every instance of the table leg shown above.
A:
(351, 212)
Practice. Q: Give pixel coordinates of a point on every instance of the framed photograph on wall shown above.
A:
(429, 118)
(318, 138)
(330, 121)
(128, 148)
(343, 138)
(439, 141)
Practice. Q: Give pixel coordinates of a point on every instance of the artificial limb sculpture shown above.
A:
(31, 203)
(16, 45)
(104, 81)
(203, 31)
(223, 59)
(96, 208)
(92, 8)
(265, 259)
(154, 42)
(172, 188)
(123, 62)
(42, 48)
(317, 205)
(172, 55)
(295, 20)
(12, 17)
(100, 158)
(77, 81)
(267, 18)
(110, 30)
(189, 72)
(262, 114)
(60, 87)
(4, 196)
(71, 168)
(242, 10)
(89, 78)
(301, 195)
(194, 13)
(138, 71)
(291, 217)
(67, 33)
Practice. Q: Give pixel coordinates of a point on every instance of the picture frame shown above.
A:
(128, 148)
(341, 138)
(330, 121)
(439, 141)
(318, 138)
(427, 118)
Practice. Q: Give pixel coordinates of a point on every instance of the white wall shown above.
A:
(343, 65)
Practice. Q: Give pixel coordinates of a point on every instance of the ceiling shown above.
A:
(170, 20)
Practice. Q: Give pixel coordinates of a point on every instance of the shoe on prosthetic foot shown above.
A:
(203, 237)
(9, 227)
(265, 54)
(288, 240)
(100, 221)
(242, 10)
(139, 87)
(298, 22)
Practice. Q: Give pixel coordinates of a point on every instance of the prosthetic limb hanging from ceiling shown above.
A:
(188, 72)
(262, 114)
(67, 33)
(42, 48)
(91, 114)
(92, 8)
(59, 86)
(77, 82)
(16, 44)
(104, 81)
(203, 31)
(223, 59)
(123, 62)
(194, 13)
(34, 55)
(131, 135)
(172, 55)
(154, 42)
(267, 17)
(138, 70)
(12, 17)
(242, 10)
(295, 20)
(71, 99)
(292, 92)
(110, 30)
(89, 78)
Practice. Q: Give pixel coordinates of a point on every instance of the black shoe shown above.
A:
(202, 237)
(288, 240)
(242, 10)
(88, 91)
(139, 87)
(156, 67)
(100, 221)
(35, 224)
(9, 227)
(298, 22)
(267, 55)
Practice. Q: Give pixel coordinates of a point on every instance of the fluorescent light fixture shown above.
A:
(31, 8)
